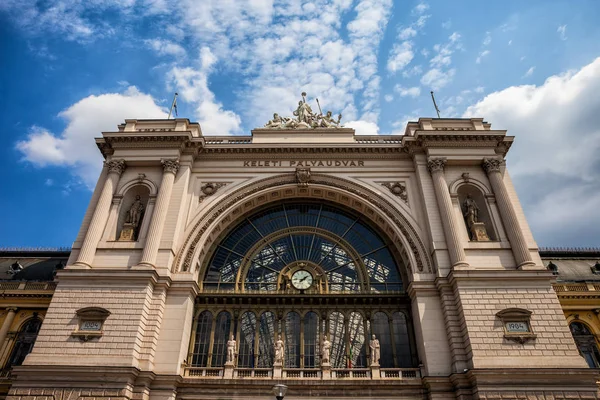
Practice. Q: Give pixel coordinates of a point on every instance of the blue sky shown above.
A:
(71, 69)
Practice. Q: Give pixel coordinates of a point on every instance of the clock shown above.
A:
(302, 279)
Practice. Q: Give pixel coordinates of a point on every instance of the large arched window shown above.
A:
(341, 250)
(24, 341)
(586, 343)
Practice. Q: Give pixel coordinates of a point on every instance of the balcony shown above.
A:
(411, 375)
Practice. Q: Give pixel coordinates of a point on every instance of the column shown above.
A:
(508, 214)
(98, 222)
(160, 212)
(451, 231)
(11, 312)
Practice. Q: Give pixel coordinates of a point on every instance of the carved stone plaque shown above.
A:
(516, 326)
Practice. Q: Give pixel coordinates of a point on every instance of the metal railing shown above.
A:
(26, 285)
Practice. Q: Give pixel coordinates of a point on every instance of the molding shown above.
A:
(183, 261)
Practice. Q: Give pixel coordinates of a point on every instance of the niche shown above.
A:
(132, 212)
(475, 214)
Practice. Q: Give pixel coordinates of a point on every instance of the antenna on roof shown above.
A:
(437, 110)
(174, 107)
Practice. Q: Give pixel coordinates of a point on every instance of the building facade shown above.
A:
(343, 266)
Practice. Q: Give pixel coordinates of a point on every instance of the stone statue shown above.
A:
(471, 211)
(375, 350)
(135, 212)
(327, 120)
(325, 349)
(304, 118)
(231, 344)
(279, 350)
(304, 113)
(276, 122)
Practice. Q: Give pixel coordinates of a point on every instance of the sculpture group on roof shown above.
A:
(304, 118)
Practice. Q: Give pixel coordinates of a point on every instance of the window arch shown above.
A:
(342, 248)
(586, 343)
(24, 341)
(199, 356)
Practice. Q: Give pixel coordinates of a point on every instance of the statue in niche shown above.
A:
(134, 214)
(477, 231)
(231, 344)
(325, 349)
(133, 218)
(471, 211)
(375, 350)
(279, 351)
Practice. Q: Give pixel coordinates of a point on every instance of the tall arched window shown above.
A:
(337, 337)
(356, 336)
(222, 329)
(24, 341)
(266, 340)
(586, 343)
(247, 335)
(292, 340)
(381, 329)
(311, 340)
(402, 354)
(199, 356)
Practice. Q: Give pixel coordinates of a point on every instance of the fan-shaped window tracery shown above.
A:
(342, 247)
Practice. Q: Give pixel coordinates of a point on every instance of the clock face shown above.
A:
(302, 279)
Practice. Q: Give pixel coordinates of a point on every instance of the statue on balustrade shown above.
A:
(231, 344)
(375, 350)
(279, 351)
(325, 349)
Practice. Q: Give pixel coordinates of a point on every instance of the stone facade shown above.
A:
(163, 303)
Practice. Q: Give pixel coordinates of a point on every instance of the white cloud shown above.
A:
(562, 32)
(415, 70)
(557, 131)
(388, 98)
(165, 47)
(479, 89)
(447, 24)
(420, 8)
(400, 56)
(436, 78)
(75, 145)
(363, 127)
(49, 182)
(487, 39)
(481, 55)
(529, 72)
(510, 42)
(407, 33)
(192, 86)
(411, 91)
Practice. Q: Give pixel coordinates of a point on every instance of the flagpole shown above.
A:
(173, 105)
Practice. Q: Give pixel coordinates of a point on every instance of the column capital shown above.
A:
(491, 165)
(170, 165)
(13, 309)
(117, 166)
(436, 164)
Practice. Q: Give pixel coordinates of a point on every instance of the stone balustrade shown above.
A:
(303, 373)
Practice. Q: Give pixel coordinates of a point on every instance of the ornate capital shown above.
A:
(117, 166)
(171, 165)
(436, 164)
(491, 165)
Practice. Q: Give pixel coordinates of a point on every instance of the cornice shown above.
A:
(181, 140)
(315, 149)
(434, 139)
